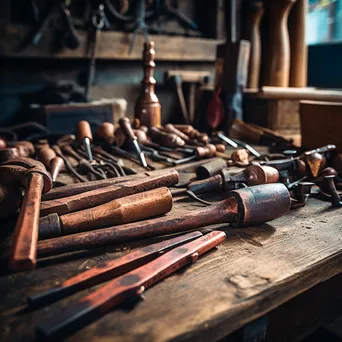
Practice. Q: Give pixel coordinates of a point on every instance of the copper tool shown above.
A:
(131, 139)
(316, 160)
(211, 168)
(25, 148)
(96, 197)
(127, 209)
(8, 153)
(278, 61)
(335, 198)
(165, 139)
(108, 269)
(85, 136)
(243, 207)
(36, 180)
(51, 161)
(147, 106)
(131, 284)
(300, 194)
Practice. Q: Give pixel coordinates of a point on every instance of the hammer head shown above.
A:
(261, 203)
(23, 166)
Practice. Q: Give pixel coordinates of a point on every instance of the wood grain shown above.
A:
(111, 45)
(254, 271)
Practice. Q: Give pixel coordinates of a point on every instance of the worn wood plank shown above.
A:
(254, 271)
(110, 45)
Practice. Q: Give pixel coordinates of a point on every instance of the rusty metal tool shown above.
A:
(96, 197)
(300, 193)
(132, 140)
(335, 198)
(8, 153)
(85, 137)
(108, 270)
(68, 165)
(51, 161)
(127, 209)
(131, 284)
(243, 207)
(36, 180)
(82, 162)
(211, 168)
(199, 152)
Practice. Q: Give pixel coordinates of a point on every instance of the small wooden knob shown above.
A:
(3, 143)
(172, 129)
(83, 130)
(106, 132)
(220, 148)
(25, 148)
(240, 156)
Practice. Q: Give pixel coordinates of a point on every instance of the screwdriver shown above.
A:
(84, 136)
(127, 130)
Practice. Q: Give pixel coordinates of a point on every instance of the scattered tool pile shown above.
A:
(84, 191)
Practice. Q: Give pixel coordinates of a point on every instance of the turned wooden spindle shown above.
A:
(255, 13)
(147, 106)
(106, 132)
(298, 47)
(277, 71)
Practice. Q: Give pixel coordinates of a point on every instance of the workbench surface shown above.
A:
(251, 273)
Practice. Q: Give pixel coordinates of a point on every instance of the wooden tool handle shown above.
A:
(165, 139)
(299, 48)
(128, 285)
(106, 132)
(172, 129)
(210, 168)
(83, 130)
(127, 130)
(108, 270)
(45, 155)
(96, 197)
(207, 151)
(243, 131)
(127, 209)
(25, 236)
(278, 65)
(56, 166)
(256, 12)
(3, 143)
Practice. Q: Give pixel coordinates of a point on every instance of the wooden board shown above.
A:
(254, 271)
(110, 45)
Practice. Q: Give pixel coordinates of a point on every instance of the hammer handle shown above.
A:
(25, 237)
(132, 208)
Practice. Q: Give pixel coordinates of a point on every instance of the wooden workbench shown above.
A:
(256, 270)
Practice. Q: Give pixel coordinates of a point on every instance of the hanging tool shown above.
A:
(140, 24)
(97, 22)
(130, 284)
(58, 10)
(243, 207)
(132, 140)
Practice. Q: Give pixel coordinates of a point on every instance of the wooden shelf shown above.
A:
(111, 45)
